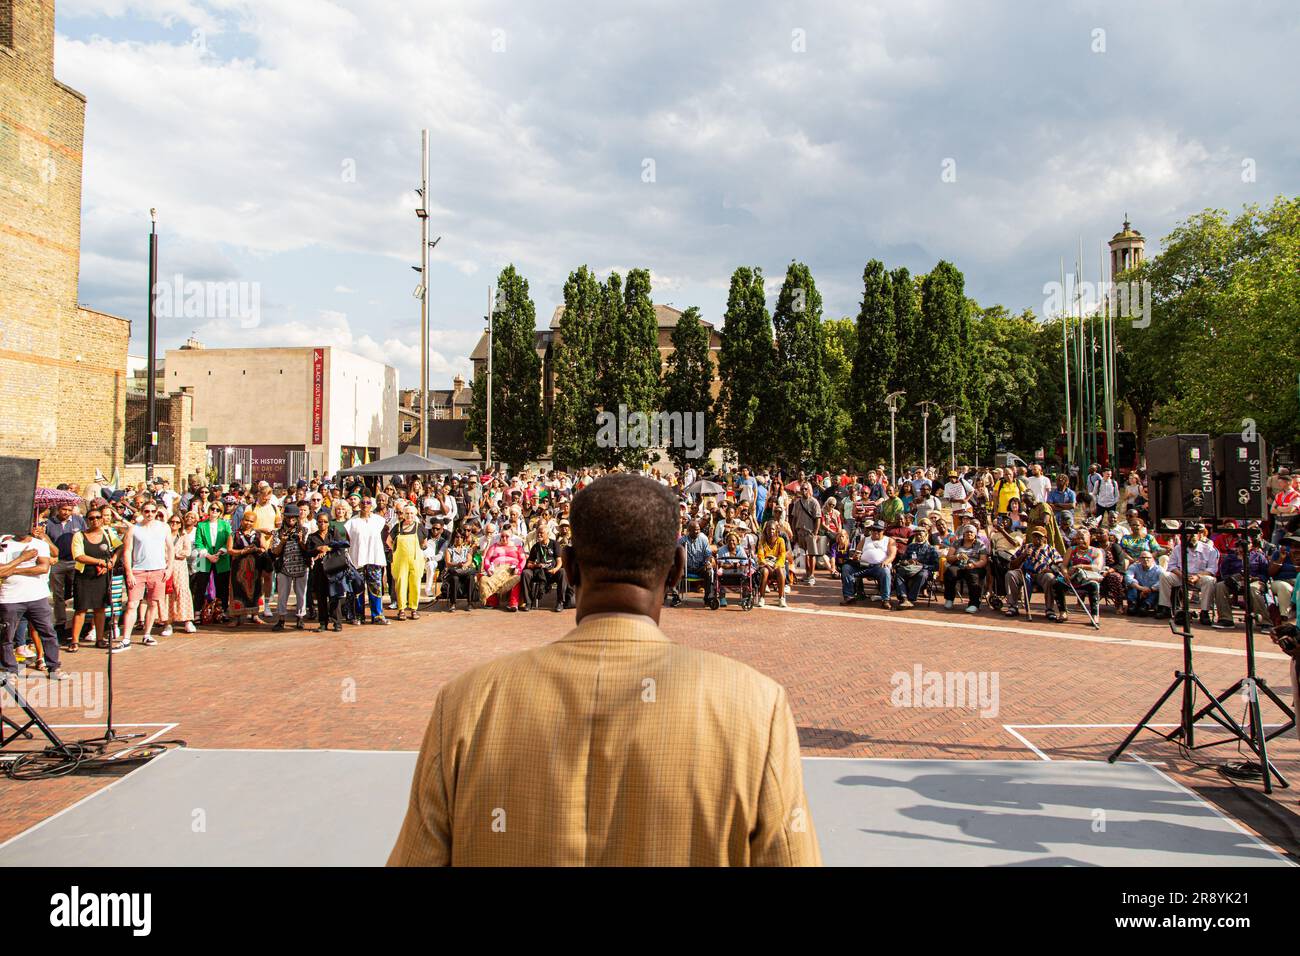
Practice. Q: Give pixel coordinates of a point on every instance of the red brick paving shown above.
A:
(371, 688)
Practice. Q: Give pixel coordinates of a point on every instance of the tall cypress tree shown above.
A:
(874, 365)
(628, 359)
(573, 417)
(745, 369)
(939, 377)
(804, 414)
(907, 322)
(518, 422)
(688, 384)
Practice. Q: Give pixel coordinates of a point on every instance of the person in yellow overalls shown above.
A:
(408, 562)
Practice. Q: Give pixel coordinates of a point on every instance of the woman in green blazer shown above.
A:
(212, 546)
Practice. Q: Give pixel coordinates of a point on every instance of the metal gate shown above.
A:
(297, 466)
(231, 464)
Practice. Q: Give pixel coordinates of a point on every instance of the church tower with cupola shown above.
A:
(1126, 249)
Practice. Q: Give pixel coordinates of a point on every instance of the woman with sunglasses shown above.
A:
(180, 602)
(94, 552)
(212, 548)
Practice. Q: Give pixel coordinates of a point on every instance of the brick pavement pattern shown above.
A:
(372, 689)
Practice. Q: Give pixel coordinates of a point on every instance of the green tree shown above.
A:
(628, 358)
(688, 384)
(874, 362)
(907, 325)
(518, 422)
(1235, 288)
(573, 417)
(938, 375)
(803, 415)
(839, 344)
(745, 369)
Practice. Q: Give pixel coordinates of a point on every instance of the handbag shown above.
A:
(335, 561)
(211, 613)
(1086, 576)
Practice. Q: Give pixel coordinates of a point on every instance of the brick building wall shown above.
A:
(62, 367)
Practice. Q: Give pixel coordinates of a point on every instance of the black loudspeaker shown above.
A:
(1239, 477)
(17, 494)
(1181, 473)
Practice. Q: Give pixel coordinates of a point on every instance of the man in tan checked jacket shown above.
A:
(613, 746)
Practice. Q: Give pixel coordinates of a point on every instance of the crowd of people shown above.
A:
(341, 552)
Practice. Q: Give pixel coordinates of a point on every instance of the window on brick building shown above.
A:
(7, 23)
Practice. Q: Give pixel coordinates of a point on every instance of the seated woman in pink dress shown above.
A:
(502, 562)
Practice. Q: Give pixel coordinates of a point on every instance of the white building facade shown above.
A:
(281, 414)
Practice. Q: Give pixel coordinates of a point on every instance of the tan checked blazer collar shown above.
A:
(616, 627)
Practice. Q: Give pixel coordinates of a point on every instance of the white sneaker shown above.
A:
(761, 602)
(947, 605)
(812, 580)
(783, 604)
(166, 631)
(971, 609)
(189, 627)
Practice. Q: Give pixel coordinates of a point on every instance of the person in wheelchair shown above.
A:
(735, 567)
(698, 562)
(915, 566)
(543, 570)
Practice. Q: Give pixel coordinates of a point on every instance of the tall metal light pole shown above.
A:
(151, 421)
(952, 464)
(891, 401)
(423, 213)
(925, 433)
(488, 390)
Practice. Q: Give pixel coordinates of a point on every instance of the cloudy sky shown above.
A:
(279, 140)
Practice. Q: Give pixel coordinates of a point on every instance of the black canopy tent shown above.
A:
(408, 463)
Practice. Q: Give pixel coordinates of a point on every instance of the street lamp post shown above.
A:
(488, 390)
(151, 369)
(952, 433)
(423, 214)
(925, 433)
(891, 401)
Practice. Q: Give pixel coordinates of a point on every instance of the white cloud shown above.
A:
(305, 144)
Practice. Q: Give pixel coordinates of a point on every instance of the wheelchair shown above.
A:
(737, 574)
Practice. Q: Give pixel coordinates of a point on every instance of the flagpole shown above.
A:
(1065, 362)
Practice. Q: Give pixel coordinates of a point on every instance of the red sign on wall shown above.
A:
(317, 396)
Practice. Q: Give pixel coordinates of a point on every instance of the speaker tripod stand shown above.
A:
(1188, 683)
(1251, 684)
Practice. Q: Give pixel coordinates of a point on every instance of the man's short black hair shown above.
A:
(625, 529)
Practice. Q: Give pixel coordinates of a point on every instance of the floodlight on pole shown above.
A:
(925, 432)
(891, 402)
